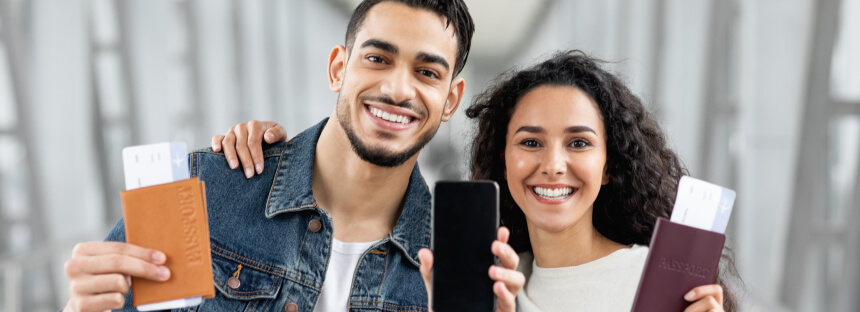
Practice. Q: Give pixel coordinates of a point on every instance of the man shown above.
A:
(337, 217)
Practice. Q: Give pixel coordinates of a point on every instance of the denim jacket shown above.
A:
(270, 224)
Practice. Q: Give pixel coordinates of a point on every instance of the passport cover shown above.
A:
(171, 218)
(680, 258)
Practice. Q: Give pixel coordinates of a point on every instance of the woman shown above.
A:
(584, 172)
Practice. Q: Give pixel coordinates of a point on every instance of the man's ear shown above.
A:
(336, 67)
(455, 94)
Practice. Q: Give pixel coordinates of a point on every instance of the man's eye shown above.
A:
(428, 73)
(530, 143)
(375, 59)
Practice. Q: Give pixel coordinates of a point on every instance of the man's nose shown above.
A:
(399, 85)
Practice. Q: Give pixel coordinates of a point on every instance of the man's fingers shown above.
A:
(108, 248)
(425, 257)
(506, 300)
(102, 283)
(255, 143)
(228, 144)
(241, 132)
(508, 258)
(275, 133)
(116, 263)
(216, 142)
(100, 302)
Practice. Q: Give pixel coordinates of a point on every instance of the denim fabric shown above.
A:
(262, 224)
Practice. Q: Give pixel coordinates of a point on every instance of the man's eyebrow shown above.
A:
(533, 129)
(577, 129)
(382, 45)
(432, 58)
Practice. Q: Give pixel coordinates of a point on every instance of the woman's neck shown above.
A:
(576, 245)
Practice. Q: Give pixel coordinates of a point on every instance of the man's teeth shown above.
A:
(553, 193)
(390, 117)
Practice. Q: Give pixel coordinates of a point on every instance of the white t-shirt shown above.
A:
(334, 295)
(605, 284)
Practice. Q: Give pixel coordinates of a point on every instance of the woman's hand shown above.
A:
(245, 140)
(509, 281)
(705, 298)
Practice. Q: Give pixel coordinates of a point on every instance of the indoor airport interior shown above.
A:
(758, 96)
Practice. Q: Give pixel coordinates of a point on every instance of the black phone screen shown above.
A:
(465, 221)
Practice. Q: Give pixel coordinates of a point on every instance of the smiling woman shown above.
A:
(584, 172)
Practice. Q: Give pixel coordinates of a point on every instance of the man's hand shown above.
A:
(705, 298)
(100, 273)
(245, 140)
(508, 283)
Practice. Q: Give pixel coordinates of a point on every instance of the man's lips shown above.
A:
(391, 117)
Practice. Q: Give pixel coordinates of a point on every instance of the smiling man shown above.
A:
(336, 219)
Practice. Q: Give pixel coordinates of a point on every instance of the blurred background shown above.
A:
(761, 96)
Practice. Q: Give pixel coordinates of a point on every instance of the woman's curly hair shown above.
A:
(643, 171)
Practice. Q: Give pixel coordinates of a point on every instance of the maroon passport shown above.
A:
(680, 258)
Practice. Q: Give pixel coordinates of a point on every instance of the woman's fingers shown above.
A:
(506, 299)
(512, 279)
(425, 256)
(705, 298)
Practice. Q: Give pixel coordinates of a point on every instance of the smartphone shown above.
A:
(465, 219)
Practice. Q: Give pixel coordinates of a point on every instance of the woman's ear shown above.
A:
(605, 177)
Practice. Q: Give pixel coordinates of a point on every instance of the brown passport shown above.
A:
(171, 218)
(680, 258)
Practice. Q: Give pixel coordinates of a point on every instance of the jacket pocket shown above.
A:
(240, 278)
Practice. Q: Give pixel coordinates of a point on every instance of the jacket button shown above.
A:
(291, 307)
(315, 225)
(233, 283)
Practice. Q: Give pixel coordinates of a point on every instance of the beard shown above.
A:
(379, 155)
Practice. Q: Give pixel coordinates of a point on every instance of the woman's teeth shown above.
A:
(390, 117)
(553, 193)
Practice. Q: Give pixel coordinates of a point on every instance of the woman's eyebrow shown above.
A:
(577, 129)
(533, 129)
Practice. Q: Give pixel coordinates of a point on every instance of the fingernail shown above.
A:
(249, 173)
(259, 168)
(270, 137)
(689, 296)
(158, 257)
(163, 273)
(233, 164)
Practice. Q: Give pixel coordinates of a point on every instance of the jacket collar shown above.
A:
(292, 191)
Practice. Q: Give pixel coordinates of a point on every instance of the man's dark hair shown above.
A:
(455, 11)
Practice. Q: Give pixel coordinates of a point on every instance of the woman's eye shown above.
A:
(530, 143)
(579, 143)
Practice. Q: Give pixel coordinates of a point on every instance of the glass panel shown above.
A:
(844, 147)
(110, 87)
(13, 201)
(7, 99)
(104, 22)
(845, 69)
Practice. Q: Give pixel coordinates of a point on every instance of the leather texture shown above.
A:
(680, 258)
(171, 218)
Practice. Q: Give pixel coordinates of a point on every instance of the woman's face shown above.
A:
(555, 156)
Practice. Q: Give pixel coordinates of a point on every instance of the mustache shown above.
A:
(407, 104)
(388, 100)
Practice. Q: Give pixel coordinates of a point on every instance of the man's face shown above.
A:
(396, 84)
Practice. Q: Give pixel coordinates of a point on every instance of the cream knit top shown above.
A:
(605, 284)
